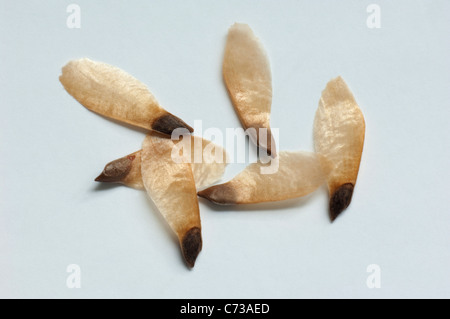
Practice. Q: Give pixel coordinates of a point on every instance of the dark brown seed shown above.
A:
(191, 245)
(340, 200)
(168, 122)
(116, 170)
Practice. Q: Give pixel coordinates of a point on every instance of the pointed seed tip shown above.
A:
(206, 193)
(202, 193)
(191, 245)
(115, 171)
(104, 178)
(221, 194)
(340, 200)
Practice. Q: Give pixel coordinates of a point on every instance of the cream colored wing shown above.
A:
(113, 93)
(208, 170)
(247, 76)
(339, 130)
(171, 187)
(298, 174)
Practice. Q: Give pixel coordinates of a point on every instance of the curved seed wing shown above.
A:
(246, 71)
(339, 130)
(127, 170)
(298, 174)
(171, 187)
(111, 92)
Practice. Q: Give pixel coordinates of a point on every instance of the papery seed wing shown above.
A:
(247, 75)
(339, 130)
(208, 170)
(111, 92)
(298, 174)
(171, 187)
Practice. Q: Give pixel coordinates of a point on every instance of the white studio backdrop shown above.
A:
(55, 221)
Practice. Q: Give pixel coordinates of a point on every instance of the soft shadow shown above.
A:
(108, 186)
(101, 186)
(152, 209)
(326, 203)
(105, 186)
(164, 224)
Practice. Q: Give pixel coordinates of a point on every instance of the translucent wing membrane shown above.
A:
(246, 71)
(298, 174)
(171, 187)
(339, 130)
(207, 170)
(113, 93)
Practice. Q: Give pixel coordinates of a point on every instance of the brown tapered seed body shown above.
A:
(125, 170)
(247, 76)
(339, 130)
(111, 92)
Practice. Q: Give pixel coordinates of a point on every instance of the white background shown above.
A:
(53, 214)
